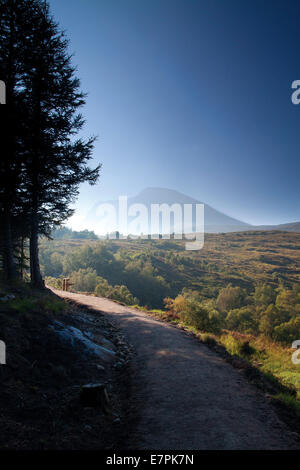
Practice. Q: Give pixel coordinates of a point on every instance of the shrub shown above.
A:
(230, 298)
(206, 338)
(194, 313)
(84, 280)
(174, 306)
(55, 282)
(237, 346)
(242, 320)
(119, 293)
(264, 295)
(288, 332)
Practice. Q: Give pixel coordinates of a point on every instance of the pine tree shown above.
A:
(12, 117)
(51, 161)
(56, 163)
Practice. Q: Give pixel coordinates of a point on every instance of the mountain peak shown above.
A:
(214, 220)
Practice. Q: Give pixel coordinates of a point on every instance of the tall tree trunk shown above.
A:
(8, 251)
(22, 257)
(7, 127)
(35, 272)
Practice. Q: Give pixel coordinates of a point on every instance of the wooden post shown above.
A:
(66, 283)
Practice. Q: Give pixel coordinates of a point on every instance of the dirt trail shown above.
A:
(187, 396)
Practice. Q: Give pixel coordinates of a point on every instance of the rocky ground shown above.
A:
(50, 357)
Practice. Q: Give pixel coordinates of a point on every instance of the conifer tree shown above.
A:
(51, 161)
(12, 117)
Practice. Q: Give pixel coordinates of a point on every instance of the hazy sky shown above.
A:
(193, 95)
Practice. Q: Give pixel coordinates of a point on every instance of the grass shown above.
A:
(40, 303)
(289, 401)
(275, 359)
(27, 299)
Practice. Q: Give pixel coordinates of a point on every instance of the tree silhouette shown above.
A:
(50, 162)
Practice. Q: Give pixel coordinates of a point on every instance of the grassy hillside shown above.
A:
(243, 259)
(241, 288)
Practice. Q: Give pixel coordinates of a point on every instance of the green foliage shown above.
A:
(208, 339)
(279, 321)
(194, 313)
(238, 346)
(23, 305)
(288, 300)
(288, 332)
(51, 263)
(39, 304)
(102, 288)
(229, 288)
(269, 319)
(65, 233)
(264, 295)
(84, 280)
(118, 293)
(243, 320)
(55, 282)
(230, 298)
(225, 286)
(136, 271)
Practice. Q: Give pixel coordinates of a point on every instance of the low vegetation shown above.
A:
(241, 291)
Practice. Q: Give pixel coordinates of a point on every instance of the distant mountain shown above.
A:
(291, 227)
(214, 220)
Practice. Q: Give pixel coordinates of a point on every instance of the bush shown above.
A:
(119, 293)
(242, 320)
(84, 280)
(193, 313)
(55, 282)
(208, 339)
(264, 295)
(102, 288)
(288, 332)
(237, 346)
(230, 298)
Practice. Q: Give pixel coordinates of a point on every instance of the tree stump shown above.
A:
(95, 396)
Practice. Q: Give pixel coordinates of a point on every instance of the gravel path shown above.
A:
(188, 397)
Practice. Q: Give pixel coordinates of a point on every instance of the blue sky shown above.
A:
(193, 95)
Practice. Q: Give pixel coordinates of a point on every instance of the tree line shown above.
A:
(268, 311)
(166, 279)
(43, 160)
